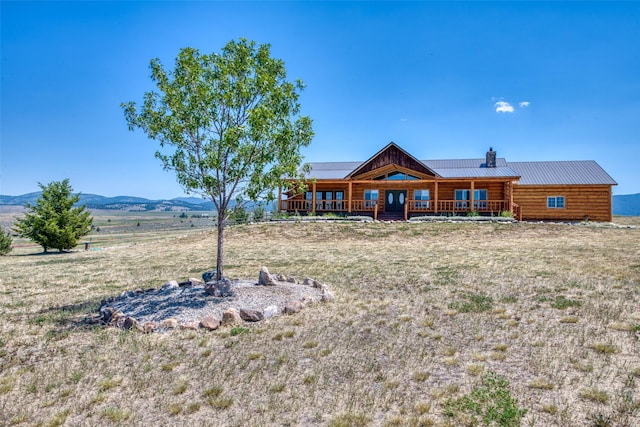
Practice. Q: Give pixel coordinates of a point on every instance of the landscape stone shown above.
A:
(266, 279)
(210, 323)
(270, 311)
(194, 281)
(327, 296)
(190, 325)
(291, 279)
(219, 289)
(307, 281)
(170, 323)
(106, 313)
(131, 323)
(250, 315)
(231, 316)
(209, 276)
(171, 284)
(292, 307)
(148, 327)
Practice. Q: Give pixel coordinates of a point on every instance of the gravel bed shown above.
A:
(191, 303)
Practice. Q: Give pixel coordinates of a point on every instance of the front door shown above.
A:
(394, 200)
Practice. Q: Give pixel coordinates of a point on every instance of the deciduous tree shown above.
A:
(228, 124)
(53, 221)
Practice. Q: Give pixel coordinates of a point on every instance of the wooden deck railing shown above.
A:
(412, 206)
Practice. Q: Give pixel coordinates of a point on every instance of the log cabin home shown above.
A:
(394, 185)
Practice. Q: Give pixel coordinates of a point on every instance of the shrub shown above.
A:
(489, 403)
(258, 213)
(5, 242)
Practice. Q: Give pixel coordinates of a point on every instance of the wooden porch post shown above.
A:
(406, 209)
(375, 211)
(511, 197)
(313, 197)
(349, 202)
(435, 199)
(472, 195)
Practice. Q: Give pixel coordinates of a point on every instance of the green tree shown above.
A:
(232, 119)
(5, 242)
(54, 222)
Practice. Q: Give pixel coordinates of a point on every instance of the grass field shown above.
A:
(423, 313)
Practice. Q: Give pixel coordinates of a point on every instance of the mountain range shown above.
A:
(125, 203)
(623, 204)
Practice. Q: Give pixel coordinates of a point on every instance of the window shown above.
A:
(370, 198)
(339, 198)
(479, 199)
(397, 176)
(555, 202)
(308, 200)
(420, 196)
(462, 197)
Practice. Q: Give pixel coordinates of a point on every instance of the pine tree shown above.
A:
(53, 221)
(5, 242)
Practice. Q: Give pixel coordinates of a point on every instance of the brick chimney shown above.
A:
(491, 158)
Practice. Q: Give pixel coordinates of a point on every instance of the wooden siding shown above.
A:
(584, 201)
(392, 155)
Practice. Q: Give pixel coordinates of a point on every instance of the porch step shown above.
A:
(390, 217)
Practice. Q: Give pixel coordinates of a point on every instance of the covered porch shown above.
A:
(382, 199)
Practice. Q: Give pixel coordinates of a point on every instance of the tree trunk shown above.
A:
(220, 255)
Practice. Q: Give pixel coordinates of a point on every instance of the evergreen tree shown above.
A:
(5, 242)
(53, 221)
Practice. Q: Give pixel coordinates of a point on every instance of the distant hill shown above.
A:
(128, 203)
(125, 203)
(626, 204)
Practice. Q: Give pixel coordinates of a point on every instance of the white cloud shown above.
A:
(503, 107)
(524, 104)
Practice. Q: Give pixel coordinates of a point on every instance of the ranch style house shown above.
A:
(394, 185)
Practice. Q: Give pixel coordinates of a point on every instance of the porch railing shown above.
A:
(412, 206)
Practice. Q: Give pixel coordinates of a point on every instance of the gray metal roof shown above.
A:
(585, 172)
(581, 172)
(461, 163)
(476, 172)
(331, 170)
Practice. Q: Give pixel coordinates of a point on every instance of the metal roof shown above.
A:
(580, 172)
(476, 172)
(584, 172)
(461, 163)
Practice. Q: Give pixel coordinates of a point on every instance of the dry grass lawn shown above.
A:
(421, 312)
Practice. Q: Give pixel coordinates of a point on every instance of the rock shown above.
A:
(307, 281)
(171, 284)
(317, 284)
(282, 278)
(148, 327)
(266, 279)
(117, 318)
(170, 323)
(270, 311)
(131, 323)
(210, 323)
(219, 289)
(292, 307)
(291, 279)
(327, 296)
(250, 315)
(106, 313)
(209, 276)
(139, 291)
(231, 316)
(190, 325)
(307, 299)
(186, 283)
(194, 281)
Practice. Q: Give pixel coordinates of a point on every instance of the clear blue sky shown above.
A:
(536, 81)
